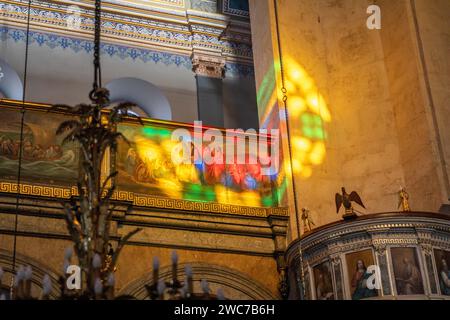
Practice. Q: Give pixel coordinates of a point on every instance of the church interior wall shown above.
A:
(59, 76)
(365, 149)
(433, 19)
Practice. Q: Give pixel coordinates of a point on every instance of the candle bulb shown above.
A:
(110, 283)
(98, 288)
(68, 253)
(174, 266)
(96, 261)
(220, 294)
(27, 276)
(66, 265)
(18, 283)
(205, 286)
(155, 270)
(189, 280)
(46, 287)
(161, 288)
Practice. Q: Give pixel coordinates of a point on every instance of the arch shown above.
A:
(235, 284)
(11, 85)
(39, 271)
(142, 93)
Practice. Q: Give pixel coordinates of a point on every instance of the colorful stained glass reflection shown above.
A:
(145, 167)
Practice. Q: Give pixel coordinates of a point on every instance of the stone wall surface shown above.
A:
(220, 244)
(384, 131)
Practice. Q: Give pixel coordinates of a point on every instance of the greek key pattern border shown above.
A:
(38, 190)
(147, 201)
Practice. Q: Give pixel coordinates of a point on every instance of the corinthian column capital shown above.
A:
(208, 66)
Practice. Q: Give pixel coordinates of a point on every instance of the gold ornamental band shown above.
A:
(147, 201)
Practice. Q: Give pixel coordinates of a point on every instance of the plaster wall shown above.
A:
(382, 132)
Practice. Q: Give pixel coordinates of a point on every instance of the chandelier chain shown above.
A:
(97, 69)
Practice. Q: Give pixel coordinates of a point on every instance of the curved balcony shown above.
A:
(378, 256)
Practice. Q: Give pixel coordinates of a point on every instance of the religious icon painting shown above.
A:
(323, 281)
(358, 275)
(442, 259)
(407, 274)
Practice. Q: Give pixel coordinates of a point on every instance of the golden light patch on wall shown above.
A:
(247, 198)
(308, 113)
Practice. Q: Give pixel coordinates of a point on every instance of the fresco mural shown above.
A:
(145, 167)
(44, 159)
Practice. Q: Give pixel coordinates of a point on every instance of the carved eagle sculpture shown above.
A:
(346, 200)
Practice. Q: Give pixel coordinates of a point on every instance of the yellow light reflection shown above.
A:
(171, 188)
(308, 112)
(246, 198)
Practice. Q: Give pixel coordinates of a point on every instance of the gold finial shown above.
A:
(307, 221)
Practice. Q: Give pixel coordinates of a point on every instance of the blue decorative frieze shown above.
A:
(80, 45)
(53, 41)
(148, 31)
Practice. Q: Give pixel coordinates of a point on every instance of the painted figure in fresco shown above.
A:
(444, 278)
(410, 281)
(31, 152)
(324, 290)
(130, 163)
(359, 282)
(403, 200)
(7, 148)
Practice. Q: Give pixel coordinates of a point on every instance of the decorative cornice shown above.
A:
(180, 35)
(123, 52)
(208, 66)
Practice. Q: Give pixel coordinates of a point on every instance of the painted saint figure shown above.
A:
(359, 283)
(323, 282)
(444, 278)
(410, 282)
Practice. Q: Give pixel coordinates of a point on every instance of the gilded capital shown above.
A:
(208, 66)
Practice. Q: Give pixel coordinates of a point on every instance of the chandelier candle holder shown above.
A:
(174, 289)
